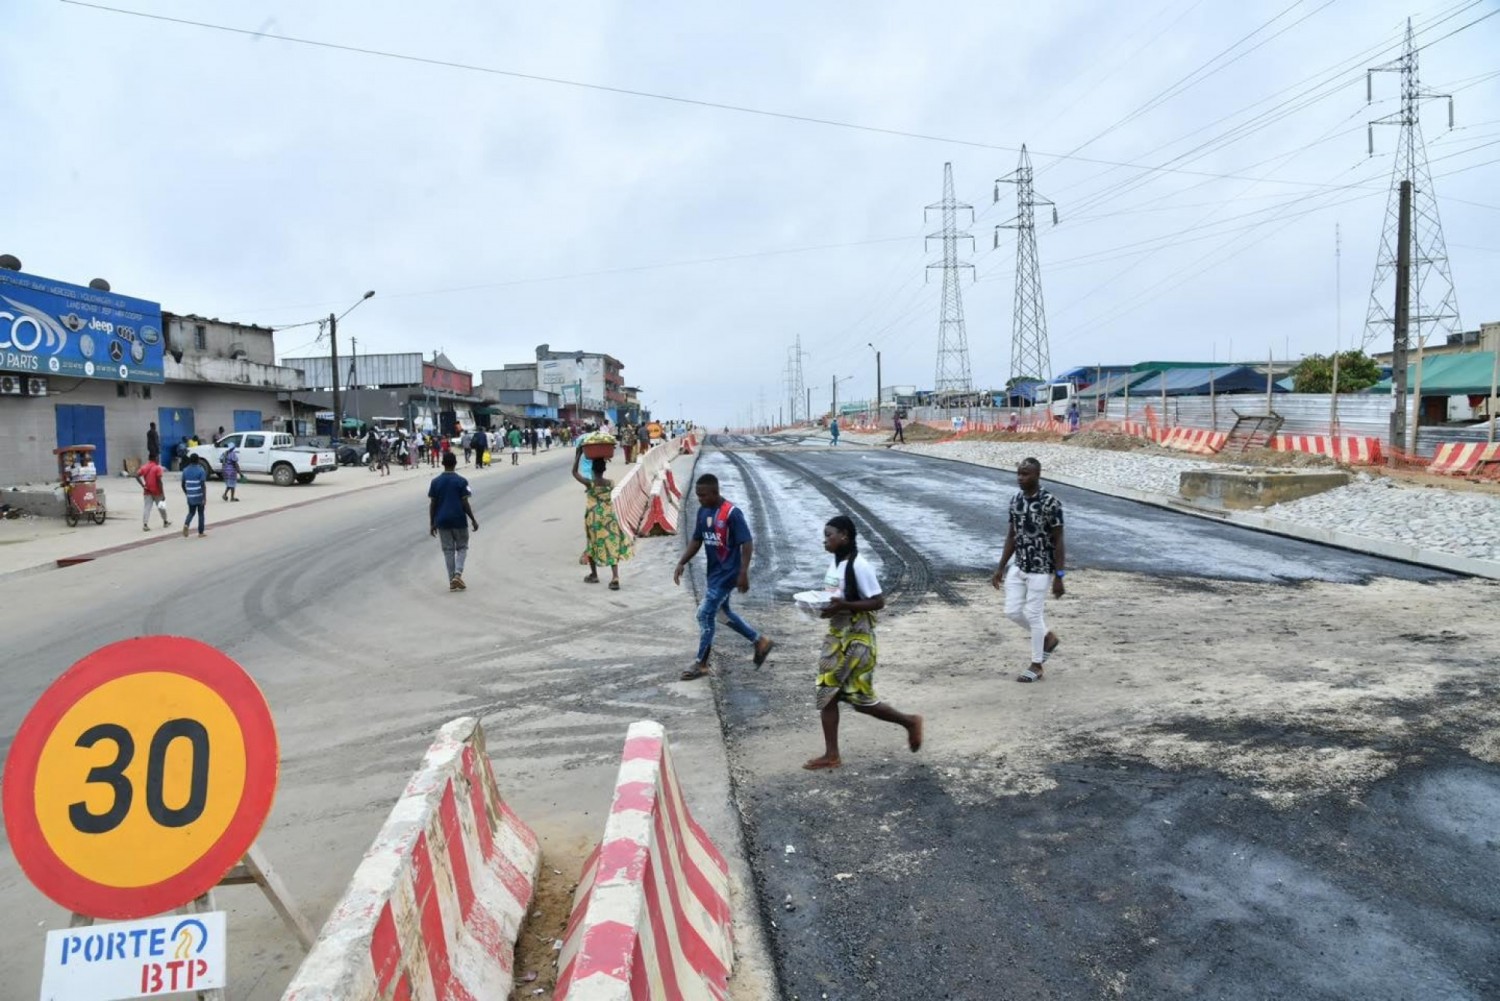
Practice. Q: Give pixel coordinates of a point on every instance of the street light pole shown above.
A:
(877, 383)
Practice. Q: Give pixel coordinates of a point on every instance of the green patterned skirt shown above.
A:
(846, 669)
(608, 544)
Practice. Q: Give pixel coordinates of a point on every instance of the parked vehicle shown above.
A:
(266, 452)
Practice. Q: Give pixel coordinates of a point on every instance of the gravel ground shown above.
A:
(1448, 521)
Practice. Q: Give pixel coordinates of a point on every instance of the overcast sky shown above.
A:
(263, 181)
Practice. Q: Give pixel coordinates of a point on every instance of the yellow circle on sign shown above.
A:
(138, 849)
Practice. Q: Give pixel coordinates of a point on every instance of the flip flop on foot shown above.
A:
(614, 585)
(1030, 674)
(819, 764)
(763, 650)
(1049, 646)
(914, 735)
(592, 578)
(695, 672)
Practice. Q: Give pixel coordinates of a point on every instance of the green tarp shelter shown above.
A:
(1449, 375)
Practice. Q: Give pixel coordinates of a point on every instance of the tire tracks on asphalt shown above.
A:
(915, 576)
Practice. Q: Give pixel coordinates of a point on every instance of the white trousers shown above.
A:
(1025, 594)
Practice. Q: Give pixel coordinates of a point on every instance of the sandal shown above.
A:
(819, 764)
(614, 585)
(1030, 674)
(695, 672)
(592, 578)
(1047, 648)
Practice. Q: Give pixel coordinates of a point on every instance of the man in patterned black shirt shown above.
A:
(1035, 540)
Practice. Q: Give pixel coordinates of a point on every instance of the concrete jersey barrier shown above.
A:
(651, 915)
(434, 909)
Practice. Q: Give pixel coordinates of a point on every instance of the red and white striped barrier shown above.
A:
(661, 517)
(1460, 457)
(434, 909)
(632, 496)
(1192, 440)
(1349, 451)
(672, 484)
(651, 915)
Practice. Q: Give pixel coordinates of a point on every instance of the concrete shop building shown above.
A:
(110, 365)
(403, 388)
(589, 384)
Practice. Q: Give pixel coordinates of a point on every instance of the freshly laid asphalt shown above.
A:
(1123, 880)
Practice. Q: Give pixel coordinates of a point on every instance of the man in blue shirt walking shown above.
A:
(447, 509)
(720, 527)
(195, 487)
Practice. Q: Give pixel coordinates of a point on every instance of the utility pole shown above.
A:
(1338, 327)
(834, 406)
(354, 373)
(877, 383)
(333, 357)
(1433, 301)
(800, 388)
(808, 412)
(1402, 319)
(1030, 354)
(953, 377)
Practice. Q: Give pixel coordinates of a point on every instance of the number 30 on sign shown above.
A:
(140, 777)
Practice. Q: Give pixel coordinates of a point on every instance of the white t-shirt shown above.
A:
(864, 576)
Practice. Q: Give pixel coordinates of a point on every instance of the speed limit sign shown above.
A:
(140, 777)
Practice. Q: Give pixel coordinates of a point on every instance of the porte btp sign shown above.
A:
(135, 959)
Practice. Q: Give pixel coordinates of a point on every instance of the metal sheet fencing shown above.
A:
(1363, 416)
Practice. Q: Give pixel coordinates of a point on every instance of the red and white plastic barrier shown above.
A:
(661, 517)
(632, 496)
(1350, 451)
(434, 909)
(1461, 457)
(1192, 440)
(651, 915)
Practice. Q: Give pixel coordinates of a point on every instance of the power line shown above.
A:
(610, 89)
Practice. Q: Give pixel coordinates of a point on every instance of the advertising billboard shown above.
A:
(447, 380)
(562, 376)
(53, 328)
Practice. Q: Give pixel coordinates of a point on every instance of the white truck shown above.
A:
(266, 452)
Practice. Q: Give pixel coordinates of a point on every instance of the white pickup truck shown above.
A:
(266, 452)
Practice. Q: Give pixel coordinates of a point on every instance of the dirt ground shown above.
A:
(1359, 679)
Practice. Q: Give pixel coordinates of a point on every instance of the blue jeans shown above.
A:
(715, 598)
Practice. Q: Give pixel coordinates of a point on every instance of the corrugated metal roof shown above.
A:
(1196, 381)
(1449, 375)
(1114, 385)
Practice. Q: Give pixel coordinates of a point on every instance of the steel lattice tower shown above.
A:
(953, 341)
(1434, 303)
(1030, 355)
(799, 387)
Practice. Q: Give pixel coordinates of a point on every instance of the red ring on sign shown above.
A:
(157, 654)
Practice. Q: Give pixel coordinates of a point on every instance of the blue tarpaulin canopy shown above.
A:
(1195, 381)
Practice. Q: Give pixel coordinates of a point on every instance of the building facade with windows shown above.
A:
(95, 367)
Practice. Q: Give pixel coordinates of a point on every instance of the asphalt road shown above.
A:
(905, 876)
